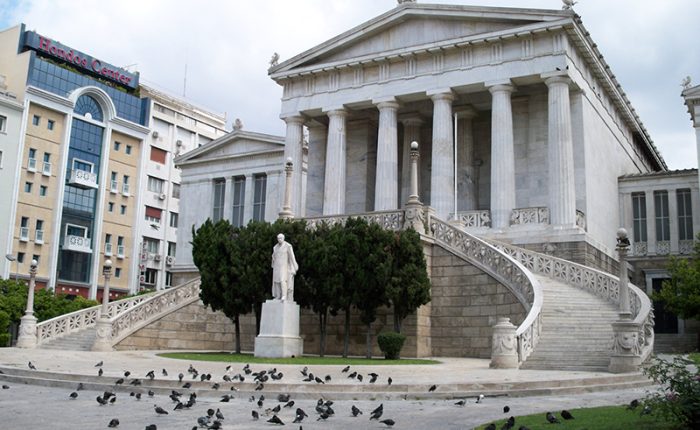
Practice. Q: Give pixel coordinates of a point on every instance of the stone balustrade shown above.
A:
(534, 215)
(471, 219)
(390, 220)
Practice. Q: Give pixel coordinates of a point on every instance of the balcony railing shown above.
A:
(31, 165)
(77, 244)
(125, 189)
(108, 249)
(39, 236)
(113, 187)
(83, 179)
(46, 169)
(478, 218)
(120, 251)
(24, 234)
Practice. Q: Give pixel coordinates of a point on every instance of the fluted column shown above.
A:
(442, 173)
(293, 142)
(502, 157)
(466, 171)
(386, 183)
(334, 184)
(411, 133)
(560, 154)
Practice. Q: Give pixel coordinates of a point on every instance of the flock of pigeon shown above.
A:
(214, 419)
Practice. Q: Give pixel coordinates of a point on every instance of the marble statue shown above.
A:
(237, 125)
(275, 59)
(284, 267)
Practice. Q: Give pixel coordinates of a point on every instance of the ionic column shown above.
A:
(442, 173)
(334, 184)
(651, 222)
(466, 171)
(502, 157)
(411, 133)
(293, 142)
(386, 183)
(560, 154)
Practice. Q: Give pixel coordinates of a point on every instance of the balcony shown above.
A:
(31, 165)
(113, 187)
(120, 251)
(77, 244)
(83, 179)
(39, 237)
(46, 169)
(108, 249)
(125, 190)
(24, 234)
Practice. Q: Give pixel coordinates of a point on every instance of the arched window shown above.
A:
(88, 107)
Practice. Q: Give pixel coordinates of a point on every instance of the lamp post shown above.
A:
(103, 333)
(286, 212)
(414, 216)
(11, 258)
(623, 244)
(27, 326)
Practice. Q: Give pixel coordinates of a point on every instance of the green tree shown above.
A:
(681, 294)
(409, 285)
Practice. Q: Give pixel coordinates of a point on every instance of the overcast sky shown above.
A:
(651, 45)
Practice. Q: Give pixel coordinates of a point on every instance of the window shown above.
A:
(88, 106)
(83, 165)
(158, 155)
(127, 150)
(3, 124)
(639, 216)
(108, 244)
(238, 200)
(219, 191)
(125, 185)
(20, 257)
(118, 272)
(27, 187)
(151, 245)
(117, 145)
(46, 169)
(151, 276)
(108, 238)
(663, 228)
(36, 119)
(110, 206)
(39, 231)
(42, 190)
(259, 197)
(24, 229)
(50, 123)
(685, 215)
(173, 219)
(32, 153)
(155, 185)
(76, 230)
(168, 279)
(171, 249)
(120, 247)
(153, 214)
(176, 190)
(122, 210)
(47, 157)
(113, 185)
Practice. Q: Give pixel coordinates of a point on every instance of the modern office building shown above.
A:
(83, 152)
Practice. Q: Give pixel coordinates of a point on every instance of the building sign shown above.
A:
(57, 51)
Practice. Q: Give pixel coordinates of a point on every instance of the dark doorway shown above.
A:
(665, 321)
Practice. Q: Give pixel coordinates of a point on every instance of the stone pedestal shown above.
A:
(504, 345)
(279, 330)
(627, 352)
(27, 332)
(103, 335)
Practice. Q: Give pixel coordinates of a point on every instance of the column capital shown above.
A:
(500, 86)
(293, 118)
(386, 103)
(335, 111)
(441, 94)
(552, 78)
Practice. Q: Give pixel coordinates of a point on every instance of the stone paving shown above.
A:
(25, 406)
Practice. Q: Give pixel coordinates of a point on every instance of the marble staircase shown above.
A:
(78, 341)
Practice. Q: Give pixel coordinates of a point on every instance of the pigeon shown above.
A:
(203, 421)
(138, 396)
(73, 395)
(119, 381)
(100, 372)
(260, 403)
(135, 382)
(126, 373)
(566, 415)
(160, 411)
(151, 375)
(164, 372)
(80, 386)
(151, 393)
(319, 380)
(345, 369)
(255, 415)
(633, 404)
(210, 412)
(107, 395)
(523, 428)
(180, 376)
(352, 375)
(112, 400)
(218, 414)
(5, 387)
(359, 377)
(355, 411)
(646, 410)
(31, 366)
(389, 381)
(186, 385)
(461, 402)
(276, 409)
(216, 425)
(480, 398)
(289, 404)
(113, 423)
(179, 406)
(373, 377)
(506, 409)
(275, 420)
(491, 426)
(301, 412)
(215, 386)
(304, 371)
(327, 378)
(377, 413)
(509, 424)
(101, 401)
(151, 427)
(283, 398)
(389, 422)
(432, 388)
(226, 398)
(551, 418)
(259, 387)
(100, 364)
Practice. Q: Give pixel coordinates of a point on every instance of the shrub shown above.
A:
(678, 399)
(391, 343)
(4, 326)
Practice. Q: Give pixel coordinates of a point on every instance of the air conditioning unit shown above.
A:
(142, 279)
(156, 257)
(169, 260)
(155, 134)
(162, 196)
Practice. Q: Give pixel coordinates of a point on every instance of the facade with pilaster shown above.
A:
(523, 129)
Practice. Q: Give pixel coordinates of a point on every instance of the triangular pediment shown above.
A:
(416, 25)
(237, 143)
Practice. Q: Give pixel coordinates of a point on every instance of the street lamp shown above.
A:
(103, 332)
(11, 258)
(27, 326)
(623, 244)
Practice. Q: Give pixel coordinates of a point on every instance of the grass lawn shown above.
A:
(602, 418)
(226, 357)
(695, 356)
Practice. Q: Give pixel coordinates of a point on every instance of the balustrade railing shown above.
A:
(508, 271)
(85, 318)
(390, 220)
(595, 281)
(141, 314)
(481, 218)
(534, 215)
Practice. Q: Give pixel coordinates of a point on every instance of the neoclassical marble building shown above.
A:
(523, 128)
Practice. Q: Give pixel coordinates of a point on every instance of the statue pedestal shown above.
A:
(279, 330)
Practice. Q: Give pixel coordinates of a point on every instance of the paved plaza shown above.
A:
(46, 404)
